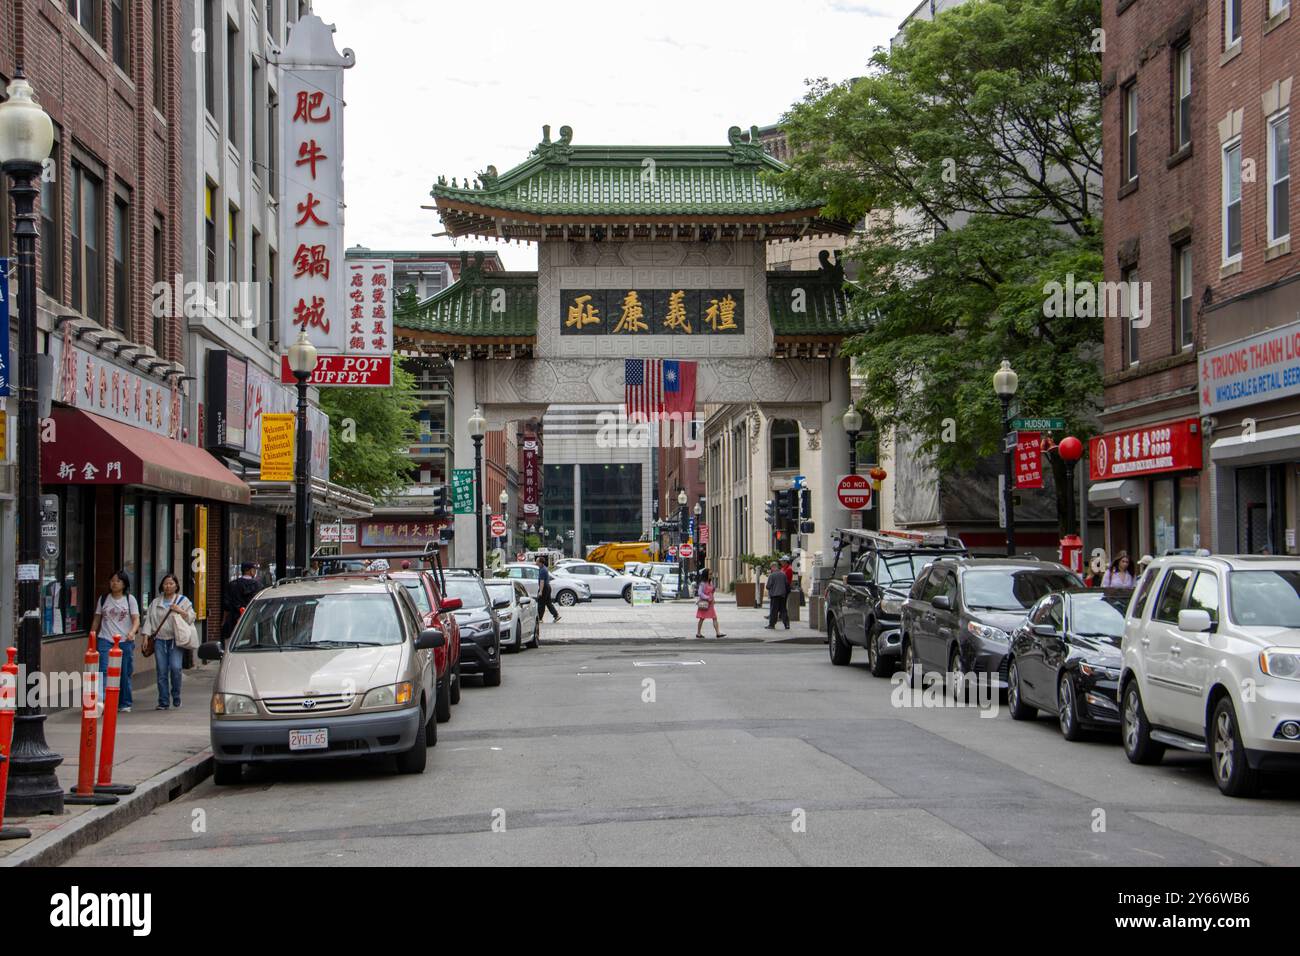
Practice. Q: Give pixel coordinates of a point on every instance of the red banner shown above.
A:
(1029, 460)
(532, 479)
(1149, 450)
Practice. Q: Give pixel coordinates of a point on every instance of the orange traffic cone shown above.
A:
(84, 792)
(105, 783)
(8, 705)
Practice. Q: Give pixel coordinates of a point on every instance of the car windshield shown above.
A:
(900, 570)
(498, 591)
(1098, 615)
(419, 595)
(1265, 598)
(469, 590)
(1006, 589)
(329, 620)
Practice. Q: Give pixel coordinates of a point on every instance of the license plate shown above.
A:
(309, 739)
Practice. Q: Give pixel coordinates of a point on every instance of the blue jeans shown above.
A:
(167, 658)
(128, 668)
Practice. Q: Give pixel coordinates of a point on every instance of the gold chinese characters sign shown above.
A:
(652, 312)
(277, 446)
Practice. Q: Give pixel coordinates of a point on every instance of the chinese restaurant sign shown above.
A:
(1168, 446)
(531, 496)
(652, 312)
(386, 533)
(92, 383)
(368, 303)
(462, 491)
(266, 395)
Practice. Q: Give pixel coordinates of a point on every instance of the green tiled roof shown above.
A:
(471, 306)
(811, 303)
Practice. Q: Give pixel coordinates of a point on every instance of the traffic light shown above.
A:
(785, 505)
(771, 512)
(805, 503)
(440, 501)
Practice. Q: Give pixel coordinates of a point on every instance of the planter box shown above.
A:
(745, 594)
(817, 612)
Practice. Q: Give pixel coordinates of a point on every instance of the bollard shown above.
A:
(84, 792)
(113, 692)
(8, 704)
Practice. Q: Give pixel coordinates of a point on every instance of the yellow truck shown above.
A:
(618, 553)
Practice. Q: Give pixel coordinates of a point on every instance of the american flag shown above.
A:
(643, 383)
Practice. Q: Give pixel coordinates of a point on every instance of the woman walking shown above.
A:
(704, 605)
(1119, 575)
(167, 618)
(118, 615)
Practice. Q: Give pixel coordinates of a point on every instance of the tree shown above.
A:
(973, 151)
(371, 431)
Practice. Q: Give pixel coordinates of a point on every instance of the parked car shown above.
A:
(516, 611)
(601, 579)
(864, 608)
(437, 610)
(1211, 664)
(480, 629)
(1065, 659)
(960, 613)
(670, 578)
(353, 674)
(566, 592)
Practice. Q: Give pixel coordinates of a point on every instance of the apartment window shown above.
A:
(51, 233)
(255, 97)
(1132, 316)
(232, 247)
(233, 111)
(272, 307)
(86, 12)
(209, 64)
(121, 265)
(121, 46)
(272, 26)
(785, 444)
(87, 234)
(159, 275)
(1130, 132)
(210, 231)
(1183, 286)
(1232, 201)
(1277, 6)
(1183, 63)
(272, 144)
(1279, 178)
(159, 57)
(255, 253)
(1231, 23)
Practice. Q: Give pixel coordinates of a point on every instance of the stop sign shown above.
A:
(686, 551)
(498, 528)
(854, 492)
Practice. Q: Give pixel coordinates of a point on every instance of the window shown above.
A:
(87, 233)
(232, 247)
(272, 145)
(121, 263)
(1205, 595)
(121, 46)
(65, 591)
(272, 332)
(159, 58)
(1138, 607)
(1232, 202)
(209, 66)
(785, 445)
(256, 96)
(1231, 23)
(1279, 178)
(1183, 287)
(86, 12)
(1130, 127)
(272, 27)
(1183, 98)
(253, 307)
(1276, 7)
(1132, 316)
(210, 231)
(51, 233)
(1171, 597)
(159, 275)
(233, 110)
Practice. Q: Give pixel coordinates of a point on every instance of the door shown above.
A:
(940, 625)
(527, 610)
(1052, 654)
(1191, 656)
(1162, 694)
(1122, 525)
(856, 598)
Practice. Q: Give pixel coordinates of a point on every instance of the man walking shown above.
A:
(778, 590)
(544, 602)
(239, 591)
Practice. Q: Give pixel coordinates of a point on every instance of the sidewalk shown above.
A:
(163, 753)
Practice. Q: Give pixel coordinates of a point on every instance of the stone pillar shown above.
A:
(579, 551)
(463, 551)
(834, 461)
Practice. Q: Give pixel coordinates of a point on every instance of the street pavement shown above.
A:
(738, 752)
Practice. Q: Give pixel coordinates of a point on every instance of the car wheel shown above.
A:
(442, 700)
(627, 594)
(415, 759)
(840, 650)
(537, 632)
(492, 676)
(881, 666)
(518, 643)
(955, 669)
(1232, 772)
(454, 696)
(1015, 700)
(1134, 729)
(566, 599)
(227, 774)
(1068, 709)
(909, 664)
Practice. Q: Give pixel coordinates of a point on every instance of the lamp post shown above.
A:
(853, 425)
(26, 138)
(477, 429)
(302, 362)
(1070, 450)
(1005, 381)
(681, 538)
(504, 499)
(699, 512)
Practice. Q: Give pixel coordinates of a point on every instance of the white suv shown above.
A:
(1212, 664)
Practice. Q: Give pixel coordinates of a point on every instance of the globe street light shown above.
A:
(26, 138)
(477, 429)
(1005, 382)
(853, 425)
(302, 362)
(504, 499)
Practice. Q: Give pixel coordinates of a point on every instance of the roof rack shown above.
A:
(857, 541)
(431, 554)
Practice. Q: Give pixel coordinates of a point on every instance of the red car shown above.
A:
(437, 612)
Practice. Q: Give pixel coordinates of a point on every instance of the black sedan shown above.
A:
(1065, 659)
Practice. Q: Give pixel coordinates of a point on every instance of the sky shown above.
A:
(449, 88)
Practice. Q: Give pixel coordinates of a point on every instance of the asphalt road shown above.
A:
(749, 753)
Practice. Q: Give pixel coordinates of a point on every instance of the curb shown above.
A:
(58, 846)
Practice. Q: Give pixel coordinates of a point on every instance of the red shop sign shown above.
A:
(1149, 450)
(1029, 460)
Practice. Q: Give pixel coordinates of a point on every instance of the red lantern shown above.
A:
(1071, 449)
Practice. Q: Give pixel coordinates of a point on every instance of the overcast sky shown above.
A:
(448, 88)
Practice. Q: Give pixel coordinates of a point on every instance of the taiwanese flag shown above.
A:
(679, 387)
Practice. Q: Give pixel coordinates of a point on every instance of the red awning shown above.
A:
(92, 450)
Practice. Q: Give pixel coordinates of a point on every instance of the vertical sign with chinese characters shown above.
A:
(462, 491)
(531, 498)
(311, 186)
(1029, 460)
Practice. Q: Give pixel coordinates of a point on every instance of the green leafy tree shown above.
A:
(371, 431)
(972, 150)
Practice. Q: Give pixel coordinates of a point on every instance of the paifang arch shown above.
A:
(643, 252)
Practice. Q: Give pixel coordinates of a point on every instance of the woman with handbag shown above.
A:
(169, 630)
(704, 609)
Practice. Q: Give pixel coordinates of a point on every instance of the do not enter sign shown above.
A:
(498, 528)
(686, 550)
(854, 492)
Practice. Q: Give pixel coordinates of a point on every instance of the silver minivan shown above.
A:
(325, 667)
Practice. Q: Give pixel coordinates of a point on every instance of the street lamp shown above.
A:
(302, 362)
(26, 138)
(853, 425)
(681, 538)
(504, 499)
(1005, 381)
(477, 429)
(1070, 450)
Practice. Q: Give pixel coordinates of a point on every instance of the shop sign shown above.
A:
(462, 491)
(92, 383)
(277, 446)
(397, 533)
(367, 359)
(1149, 450)
(200, 565)
(336, 533)
(652, 312)
(266, 395)
(227, 393)
(530, 500)
(49, 527)
(1029, 460)
(1260, 368)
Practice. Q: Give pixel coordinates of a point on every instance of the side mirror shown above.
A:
(450, 604)
(1194, 621)
(856, 579)
(211, 651)
(429, 639)
(942, 603)
(1046, 630)
(501, 603)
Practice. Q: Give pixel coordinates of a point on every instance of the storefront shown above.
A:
(1149, 479)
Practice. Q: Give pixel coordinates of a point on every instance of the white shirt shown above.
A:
(115, 615)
